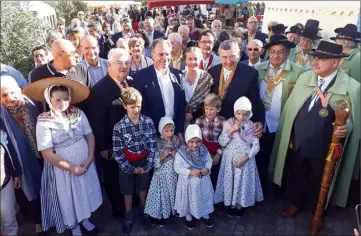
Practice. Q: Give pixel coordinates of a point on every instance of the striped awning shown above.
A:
(222, 2)
(160, 3)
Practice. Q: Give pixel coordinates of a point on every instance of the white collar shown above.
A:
(328, 78)
(250, 63)
(271, 66)
(88, 65)
(159, 75)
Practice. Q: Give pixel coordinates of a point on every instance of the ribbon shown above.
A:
(210, 61)
(223, 86)
(300, 61)
(324, 99)
(271, 85)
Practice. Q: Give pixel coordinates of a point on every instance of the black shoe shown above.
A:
(190, 224)
(161, 222)
(209, 222)
(145, 220)
(127, 227)
(42, 233)
(93, 231)
(232, 212)
(240, 212)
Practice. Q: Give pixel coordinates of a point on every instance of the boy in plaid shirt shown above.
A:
(134, 146)
(211, 125)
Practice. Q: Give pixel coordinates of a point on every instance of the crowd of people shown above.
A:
(176, 118)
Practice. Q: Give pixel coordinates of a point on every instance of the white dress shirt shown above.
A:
(226, 74)
(253, 65)
(327, 81)
(189, 88)
(274, 113)
(166, 88)
(151, 36)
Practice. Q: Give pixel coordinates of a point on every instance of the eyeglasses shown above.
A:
(253, 49)
(207, 42)
(278, 53)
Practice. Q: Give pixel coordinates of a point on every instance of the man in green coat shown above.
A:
(306, 128)
(300, 55)
(277, 77)
(348, 37)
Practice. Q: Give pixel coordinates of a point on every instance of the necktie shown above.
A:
(275, 70)
(124, 85)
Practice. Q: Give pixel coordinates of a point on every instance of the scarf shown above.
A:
(201, 90)
(26, 123)
(56, 119)
(196, 159)
(163, 144)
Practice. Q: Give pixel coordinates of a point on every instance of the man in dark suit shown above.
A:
(161, 89)
(253, 33)
(149, 28)
(236, 80)
(106, 110)
(126, 30)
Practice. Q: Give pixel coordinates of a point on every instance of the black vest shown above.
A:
(311, 133)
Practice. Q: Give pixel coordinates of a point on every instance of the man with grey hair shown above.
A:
(233, 80)
(277, 77)
(106, 110)
(177, 61)
(254, 52)
(253, 33)
(149, 27)
(216, 28)
(50, 38)
(161, 91)
(348, 37)
(183, 30)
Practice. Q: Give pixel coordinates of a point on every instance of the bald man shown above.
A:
(253, 33)
(63, 65)
(96, 66)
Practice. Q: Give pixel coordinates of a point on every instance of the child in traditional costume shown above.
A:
(194, 195)
(161, 195)
(238, 184)
(211, 125)
(134, 146)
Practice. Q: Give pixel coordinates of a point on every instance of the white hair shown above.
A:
(183, 27)
(53, 35)
(176, 36)
(121, 41)
(7, 81)
(117, 52)
(216, 21)
(257, 41)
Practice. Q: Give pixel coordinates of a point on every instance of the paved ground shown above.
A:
(263, 219)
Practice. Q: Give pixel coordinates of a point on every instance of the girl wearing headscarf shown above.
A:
(70, 189)
(238, 184)
(194, 195)
(161, 195)
(19, 115)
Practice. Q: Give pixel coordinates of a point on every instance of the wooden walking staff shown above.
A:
(333, 156)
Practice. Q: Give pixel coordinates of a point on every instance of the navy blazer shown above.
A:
(244, 83)
(146, 82)
(115, 38)
(157, 34)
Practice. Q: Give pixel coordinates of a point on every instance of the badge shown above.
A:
(323, 112)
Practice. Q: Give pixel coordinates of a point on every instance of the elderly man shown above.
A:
(183, 30)
(253, 33)
(126, 32)
(11, 71)
(216, 28)
(348, 37)
(254, 52)
(161, 91)
(300, 54)
(81, 18)
(50, 38)
(149, 27)
(293, 35)
(107, 110)
(206, 44)
(233, 80)
(177, 61)
(96, 66)
(277, 76)
(63, 65)
(307, 127)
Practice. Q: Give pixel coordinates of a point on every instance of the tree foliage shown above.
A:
(21, 31)
(68, 9)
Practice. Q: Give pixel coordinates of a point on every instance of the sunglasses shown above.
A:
(253, 49)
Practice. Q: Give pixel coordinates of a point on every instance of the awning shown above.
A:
(160, 3)
(223, 2)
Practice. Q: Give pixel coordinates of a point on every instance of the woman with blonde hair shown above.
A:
(138, 61)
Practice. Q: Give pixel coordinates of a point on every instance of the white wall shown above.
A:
(330, 14)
